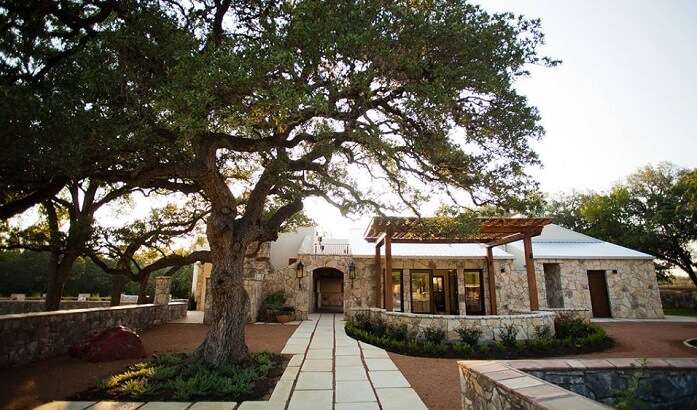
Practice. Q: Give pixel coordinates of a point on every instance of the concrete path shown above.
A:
(329, 370)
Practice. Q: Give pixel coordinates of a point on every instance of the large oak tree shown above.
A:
(254, 103)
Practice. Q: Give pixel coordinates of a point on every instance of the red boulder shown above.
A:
(111, 344)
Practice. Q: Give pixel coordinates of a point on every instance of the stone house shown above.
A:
(557, 270)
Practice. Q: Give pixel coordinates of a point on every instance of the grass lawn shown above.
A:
(680, 311)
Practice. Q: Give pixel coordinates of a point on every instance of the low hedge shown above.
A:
(573, 336)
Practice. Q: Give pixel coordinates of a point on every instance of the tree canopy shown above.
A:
(654, 211)
(256, 105)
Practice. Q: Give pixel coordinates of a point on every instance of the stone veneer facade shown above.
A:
(632, 286)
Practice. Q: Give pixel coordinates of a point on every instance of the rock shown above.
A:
(111, 344)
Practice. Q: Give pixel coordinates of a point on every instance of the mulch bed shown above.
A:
(28, 386)
(437, 381)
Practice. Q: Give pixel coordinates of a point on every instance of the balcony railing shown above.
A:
(332, 249)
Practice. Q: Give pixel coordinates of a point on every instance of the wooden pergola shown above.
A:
(492, 232)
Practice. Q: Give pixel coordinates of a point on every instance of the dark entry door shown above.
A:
(439, 293)
(599, 297)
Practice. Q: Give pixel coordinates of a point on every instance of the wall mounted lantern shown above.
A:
(299, 272)
(352, 270)
(503, 270)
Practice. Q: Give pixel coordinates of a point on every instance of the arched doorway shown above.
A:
(328, 292)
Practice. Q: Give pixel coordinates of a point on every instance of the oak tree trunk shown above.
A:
(117, 284)
(143, 290)
(225, 341)
(59, 267)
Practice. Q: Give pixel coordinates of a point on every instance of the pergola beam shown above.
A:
(492, 280)
(530, 269)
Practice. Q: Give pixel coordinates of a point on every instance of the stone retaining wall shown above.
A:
(490, 326)
(11, 307)
(580, 313)
(679, 298)
(33, 336)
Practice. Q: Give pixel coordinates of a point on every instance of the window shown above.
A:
(397, 291)
(420, 291)
(474, 292)
(555, 297)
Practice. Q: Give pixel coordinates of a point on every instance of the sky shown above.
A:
(623, 97)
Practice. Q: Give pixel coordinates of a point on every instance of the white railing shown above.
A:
(332, 249)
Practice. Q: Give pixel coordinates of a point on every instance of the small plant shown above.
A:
(397, 332)
(379, 327)
(469, 335)
(543, 332)
(574, 327)
(508, 334)
(271, 305)
(362, 321)
(434, 335)
(629, 397)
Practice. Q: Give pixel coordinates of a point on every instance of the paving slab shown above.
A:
(311, 400)
(400, 399)
(65, 405)
(354, 391)
(213, 405)
(314, 381)
(357, 406)
(388, 378)
(380, 364)
(317, 365)
(341, 361)
(350, 373)
(165, 405)
(118, 405)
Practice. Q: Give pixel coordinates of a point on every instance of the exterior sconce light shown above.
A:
(503, 270)
(299, 272)
(352, 270)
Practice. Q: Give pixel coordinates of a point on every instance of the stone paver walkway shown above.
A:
(335, 371)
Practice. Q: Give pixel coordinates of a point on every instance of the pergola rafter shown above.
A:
(490, 231)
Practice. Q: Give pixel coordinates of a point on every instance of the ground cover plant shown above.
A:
(572, 336)
(176, 377)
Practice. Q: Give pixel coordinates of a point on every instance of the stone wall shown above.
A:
(490, 326)
(685, 298)
(658, 388)
(11, 307)
(33, 336)
(632, 285)
(498, 386)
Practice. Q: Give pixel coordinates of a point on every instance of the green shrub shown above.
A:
(507, 335)
(272, 304)
(573, 327)
(434, 335)
(378, 327)
(397, 332)
(469, 335)
(543, 332)
(178, 377)
(362, 321)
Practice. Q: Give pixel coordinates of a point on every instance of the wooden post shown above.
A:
(532, 279)
(388, 272)
(492, 280)
(378, 272)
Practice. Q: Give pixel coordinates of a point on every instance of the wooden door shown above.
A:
(597, 286)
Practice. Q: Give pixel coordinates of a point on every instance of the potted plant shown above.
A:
(284, 315)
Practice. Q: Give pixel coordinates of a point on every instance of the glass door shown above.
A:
(420, 291)
(439, 293)
(474, 292)
(397, 292)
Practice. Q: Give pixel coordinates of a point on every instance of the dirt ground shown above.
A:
(437, 381)
(59, 377)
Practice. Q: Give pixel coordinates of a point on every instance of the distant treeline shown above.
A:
(26, 272)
